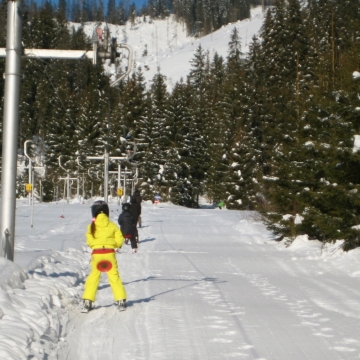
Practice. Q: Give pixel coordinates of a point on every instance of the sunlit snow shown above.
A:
(356, 147)
(168, 46)
(206, 284)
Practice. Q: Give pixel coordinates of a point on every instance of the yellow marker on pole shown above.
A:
(28, 187)
(120, 191)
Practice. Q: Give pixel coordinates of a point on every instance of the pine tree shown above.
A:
(99, 12)
(76, 11)
(62, 11)
(203, 119)
(217, 171)
(160, 131)
(132, 15)
(121, 14)
(232, 120)
(111, 12)
(247, 153)
(177, 169)
(129, 106)
(148, 169)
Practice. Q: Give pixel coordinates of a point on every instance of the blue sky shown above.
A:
(139, 3)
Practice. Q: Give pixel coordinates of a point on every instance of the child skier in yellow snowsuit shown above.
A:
(103, 237)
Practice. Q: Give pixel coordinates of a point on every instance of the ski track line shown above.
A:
(106, 316)
(225, 317)
(157, 315)
(137, 333)
(302, 308)
(225, 303)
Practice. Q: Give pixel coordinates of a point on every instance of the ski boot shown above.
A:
(87, 306)
(122, 305)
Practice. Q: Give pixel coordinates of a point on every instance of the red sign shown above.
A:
(99, 33)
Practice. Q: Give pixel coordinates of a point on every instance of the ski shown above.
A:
(86, 306)
(122, 305)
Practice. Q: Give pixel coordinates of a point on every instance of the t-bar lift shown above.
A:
(14, 52)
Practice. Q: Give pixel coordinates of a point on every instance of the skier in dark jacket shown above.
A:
(137, 198)
(135, 211)
(128, 226)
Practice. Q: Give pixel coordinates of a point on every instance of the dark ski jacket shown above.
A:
(135, 210)
(127, 223)
(137, 198)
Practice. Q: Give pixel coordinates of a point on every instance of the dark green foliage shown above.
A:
(272, 131)
(204, 16)
(308, 120)
(111, 12)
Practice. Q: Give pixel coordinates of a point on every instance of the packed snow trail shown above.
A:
(210, 284)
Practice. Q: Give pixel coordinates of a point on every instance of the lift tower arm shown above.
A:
(14, 52)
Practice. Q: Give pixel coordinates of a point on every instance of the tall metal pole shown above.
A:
(30, 180)
(10, 128)
(78, 188)
(125, 200)
(83, 187)
(32, 207)
(106, 175)
(30, 168)
(119, 181)
(68, 186)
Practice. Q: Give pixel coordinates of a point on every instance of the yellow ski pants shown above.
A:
(92, 282)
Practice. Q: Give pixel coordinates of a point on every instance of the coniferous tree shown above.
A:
(203, 119)
(129, 106)
(121, 14)
(177, 170)
(246, 153)
(62, 11)
(76, 11)
(132, 15)
(217, 172)
(144, 140)
(111, 12)
(159, 97)
(99, 12)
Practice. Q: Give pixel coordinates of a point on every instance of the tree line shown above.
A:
(200, 16)
(271, 131)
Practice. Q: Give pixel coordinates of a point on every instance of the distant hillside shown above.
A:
(169, 48)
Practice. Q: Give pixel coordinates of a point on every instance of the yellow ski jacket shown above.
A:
(107, 234)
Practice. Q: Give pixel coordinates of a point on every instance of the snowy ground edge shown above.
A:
(34, 313)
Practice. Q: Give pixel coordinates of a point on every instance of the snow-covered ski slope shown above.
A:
(206, 284)
(168, 46)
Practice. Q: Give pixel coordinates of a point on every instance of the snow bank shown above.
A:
(31, 304)
(12, 276)
(356, 75)
(36, 305)
(315, 249)
(356, 147)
